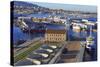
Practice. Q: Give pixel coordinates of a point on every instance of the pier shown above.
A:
(74, 54)
(58, 54)
(56, 20)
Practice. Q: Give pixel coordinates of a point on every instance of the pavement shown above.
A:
(80, 54)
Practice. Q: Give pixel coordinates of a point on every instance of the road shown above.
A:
(30, 44)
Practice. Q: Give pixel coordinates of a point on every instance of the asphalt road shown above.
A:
(30, 43)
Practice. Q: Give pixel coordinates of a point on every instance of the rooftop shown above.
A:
(56, 31)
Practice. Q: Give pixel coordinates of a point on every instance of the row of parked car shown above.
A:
(40, 56)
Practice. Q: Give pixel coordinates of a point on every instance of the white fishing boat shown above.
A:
(21, 23)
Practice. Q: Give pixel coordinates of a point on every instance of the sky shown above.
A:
(83, 2)
(86, 8)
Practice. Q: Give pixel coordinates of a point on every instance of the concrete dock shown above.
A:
(75, 52)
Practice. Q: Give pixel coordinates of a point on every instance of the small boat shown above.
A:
(89, 42)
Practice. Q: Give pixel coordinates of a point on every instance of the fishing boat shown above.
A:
(22, 24)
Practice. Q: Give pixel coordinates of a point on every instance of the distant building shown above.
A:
(55, 35)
